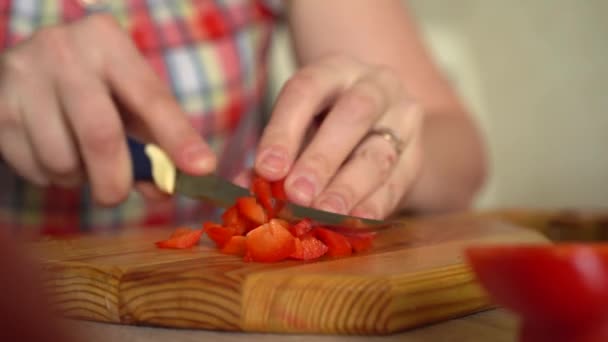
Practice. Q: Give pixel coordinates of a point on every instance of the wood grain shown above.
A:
(415, 275)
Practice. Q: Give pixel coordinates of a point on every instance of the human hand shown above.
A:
(67, 96)
(343, 168)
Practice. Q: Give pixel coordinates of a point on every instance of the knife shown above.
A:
(152, 164)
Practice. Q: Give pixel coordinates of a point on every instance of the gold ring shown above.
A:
(390, 136)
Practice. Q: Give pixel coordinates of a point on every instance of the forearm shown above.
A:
(453, 168)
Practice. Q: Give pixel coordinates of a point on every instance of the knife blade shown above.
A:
(150, 163)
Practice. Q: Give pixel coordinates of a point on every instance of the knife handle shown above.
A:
(150, 163)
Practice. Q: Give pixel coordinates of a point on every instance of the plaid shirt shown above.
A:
(211, 53)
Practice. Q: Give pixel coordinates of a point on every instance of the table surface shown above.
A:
(493, 325)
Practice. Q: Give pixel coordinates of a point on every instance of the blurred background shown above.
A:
(535, 75)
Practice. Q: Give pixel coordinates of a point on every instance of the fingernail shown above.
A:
(334, 204)
(273, 161)
(303, 190)
(201, 159)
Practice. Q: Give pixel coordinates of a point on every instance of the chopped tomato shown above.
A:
(337, 243)
(261, 189)
(180, 231)
(249, 208)
(231, 217)
(301, 227)
(182, 240)
(559, 291)
(269, 242)
(218, 233)
(235, 246)
(308, 247)
(360, 242)
(278, 189)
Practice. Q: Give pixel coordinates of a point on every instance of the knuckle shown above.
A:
(303, 84)
(363, 102)
(55, 40)
(9, 116)
(102, 138)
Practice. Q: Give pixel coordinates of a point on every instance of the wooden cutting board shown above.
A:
(415, 275)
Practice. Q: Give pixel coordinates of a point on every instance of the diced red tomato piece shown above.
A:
(278, 189)
(360, 242)
(180, 231)
(269, 242)
(235, 246)
(249, 208)
(308, 248)
(231, 217)
(218, 233)
(560, 292)
(301, 227)
(261, 189)
(337, 243)
(182, 240)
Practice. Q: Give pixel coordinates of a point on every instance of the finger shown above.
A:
(372, 162)
(243, 179)
(136, 85)
(18, 153)
(51, 140)
(151, 192)
(354, 113)
(98, 130)
(305, 95)
(386, 199)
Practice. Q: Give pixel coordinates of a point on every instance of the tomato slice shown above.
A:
(278, 189)
(301, 227)
(218, 233)
(360, 242)
(180, 231)
(235, 246)
(558, 290)
(231, 217)
(263, 193)
(250, 209)
(181, 240)
(269, 242)
(308, 248)
(337, 243)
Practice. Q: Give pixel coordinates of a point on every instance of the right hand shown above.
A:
(68, 95)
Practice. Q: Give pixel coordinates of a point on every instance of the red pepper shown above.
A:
(218, 233)
(250, 209)
(308, 248)
(270, 242)
(235, 246)
(301, 227)
(337, 243)
(181, 239)
(278, 190)
(261, 189)
(560, 291)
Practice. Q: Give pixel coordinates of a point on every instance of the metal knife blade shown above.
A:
(150, 163)
(223, 193)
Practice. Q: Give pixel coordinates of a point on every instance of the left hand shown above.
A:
(343, 168)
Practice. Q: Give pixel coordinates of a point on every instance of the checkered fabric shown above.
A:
(211, 53)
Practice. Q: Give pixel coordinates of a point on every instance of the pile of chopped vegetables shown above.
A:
(250, 229)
